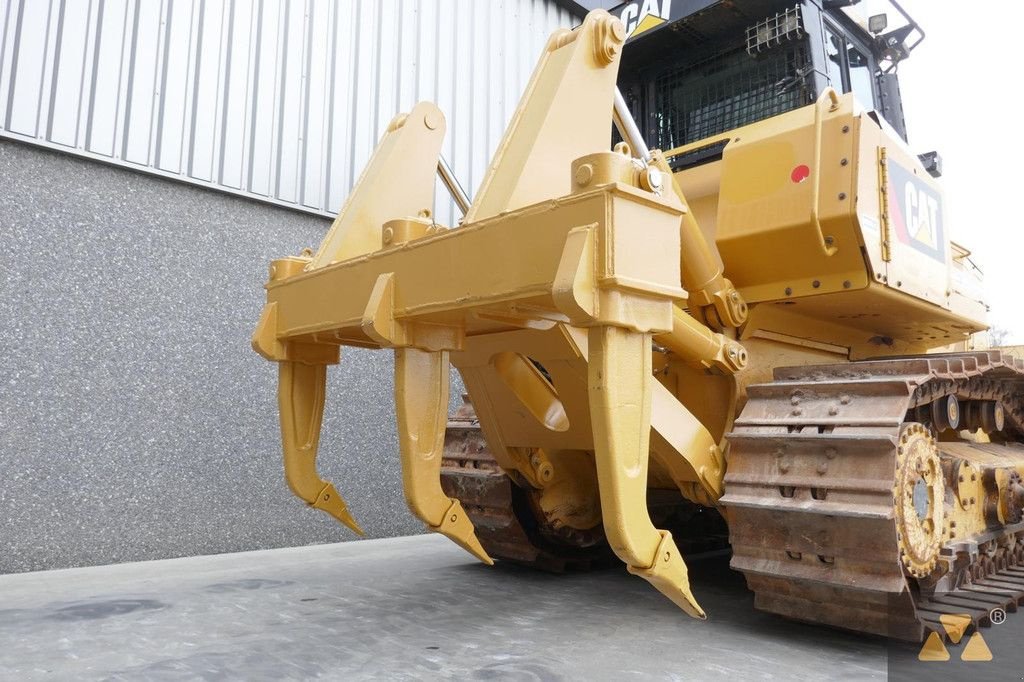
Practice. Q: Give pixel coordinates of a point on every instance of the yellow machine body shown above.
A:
(606, 316)
(824, 248)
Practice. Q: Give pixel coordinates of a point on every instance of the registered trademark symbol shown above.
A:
(997, 615)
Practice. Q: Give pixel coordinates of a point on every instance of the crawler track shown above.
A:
(510, 528)
(814, 497)
(500, 509)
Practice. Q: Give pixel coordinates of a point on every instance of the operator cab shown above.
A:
(693, 69)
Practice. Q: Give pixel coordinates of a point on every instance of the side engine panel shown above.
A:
(834, 232)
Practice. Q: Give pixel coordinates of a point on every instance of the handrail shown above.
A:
(831, 97)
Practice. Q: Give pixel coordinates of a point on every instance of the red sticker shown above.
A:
(800, 173)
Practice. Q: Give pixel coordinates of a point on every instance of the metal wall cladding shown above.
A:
(281, 100)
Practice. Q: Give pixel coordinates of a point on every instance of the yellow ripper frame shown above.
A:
(562, 232)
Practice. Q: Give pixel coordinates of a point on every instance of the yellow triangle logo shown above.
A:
(933, 649)
(648, 22)
(955, 624)
(976, 649)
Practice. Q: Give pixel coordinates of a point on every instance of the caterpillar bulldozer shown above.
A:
(704, 289)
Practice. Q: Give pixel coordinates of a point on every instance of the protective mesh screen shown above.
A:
(695, 102)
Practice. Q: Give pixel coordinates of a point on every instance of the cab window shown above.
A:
(834, 59)
(849, 67)
(861, 77)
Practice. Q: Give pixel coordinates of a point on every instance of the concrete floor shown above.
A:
(417, 608)
(401, 609)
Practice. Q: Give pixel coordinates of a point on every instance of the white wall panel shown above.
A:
(283, 100)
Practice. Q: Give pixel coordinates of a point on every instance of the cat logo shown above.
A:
(915, 211)
(643, 15)
(922, 214)
(955, 626)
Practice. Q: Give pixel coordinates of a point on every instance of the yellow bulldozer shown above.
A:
(759, 329)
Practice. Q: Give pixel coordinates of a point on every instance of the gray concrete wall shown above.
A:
(135, 420)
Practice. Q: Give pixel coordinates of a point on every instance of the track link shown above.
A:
(811, 494)
(500, 510)
(510, 528)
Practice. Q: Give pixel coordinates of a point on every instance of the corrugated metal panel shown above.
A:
(283, 100)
